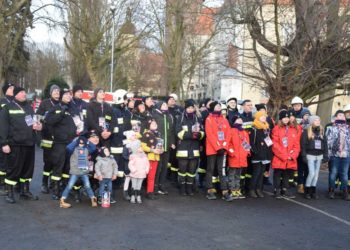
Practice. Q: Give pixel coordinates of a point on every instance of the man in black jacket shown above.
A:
(47, 141)
(17, 140)
(7, 90)
(61, 123)
(99, 117)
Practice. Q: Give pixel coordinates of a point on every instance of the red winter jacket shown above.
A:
(212, 124)
(282, 153)
(237, 155)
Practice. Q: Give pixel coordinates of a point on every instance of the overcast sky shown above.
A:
(42, 33)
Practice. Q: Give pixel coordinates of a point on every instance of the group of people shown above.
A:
(98, 147)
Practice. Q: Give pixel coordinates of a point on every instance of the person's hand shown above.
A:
(173, 146)
(100, 178)
(114, 177)
(221, 151)
(6, 149)
(38, 126)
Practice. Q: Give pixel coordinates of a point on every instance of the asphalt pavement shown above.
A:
(176, 222)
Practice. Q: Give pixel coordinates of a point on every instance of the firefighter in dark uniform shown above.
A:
(61, 123)
(247, 117)
(99, 117)
(47, 142)
(189, 133)
(7, 90)
(122, 124)
(17, 139)
(176, 111)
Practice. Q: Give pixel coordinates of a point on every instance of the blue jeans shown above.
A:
(339, 166)
(72, 180)
(103, 183)
(314, 164)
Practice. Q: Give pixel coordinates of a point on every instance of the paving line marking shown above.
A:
(316, 210)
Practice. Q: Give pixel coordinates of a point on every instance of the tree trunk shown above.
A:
(324, 109)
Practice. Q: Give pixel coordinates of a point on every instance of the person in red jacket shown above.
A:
(238, 151)
(217, 131)
(286, 148)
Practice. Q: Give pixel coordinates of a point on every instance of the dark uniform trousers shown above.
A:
(187, 170)
(20, 164)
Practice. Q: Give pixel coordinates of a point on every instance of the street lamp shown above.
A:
(112, 8)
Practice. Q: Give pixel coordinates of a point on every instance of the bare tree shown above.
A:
(298, 48)
(15, 18)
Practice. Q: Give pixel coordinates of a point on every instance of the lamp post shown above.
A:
(112, 8)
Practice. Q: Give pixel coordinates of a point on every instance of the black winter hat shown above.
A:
(212, 106)
(282, 114)
(339, 111)
(145, 98)
(168, 98)
(96, 91)
(292, 112)
(76, 88)
(159, 105)
(189, 103)
(6, 87)
(235, 117)
(64, 91)
(260, 106)
(17, 90)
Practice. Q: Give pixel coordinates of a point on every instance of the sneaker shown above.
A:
(227, 197)
(286, 194)
(112, 200)
(162, 191)
(252, 194)
(211, 196)
(277, 194)
(99, 200)
(259, 193)
(133, 199)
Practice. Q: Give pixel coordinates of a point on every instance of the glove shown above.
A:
(221, 151)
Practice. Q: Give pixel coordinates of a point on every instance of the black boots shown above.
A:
(26, 194)
(189, 189)
(56, 190)
(44, 185)
(313, 193)
(2, 186)
(183, 189)
(346, 195)
(307, 193)
(10, 194)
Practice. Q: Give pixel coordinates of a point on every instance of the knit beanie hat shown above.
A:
(212, 106)
(76, 88)
(189, 103)
(53, 87)
(260, 106)
(313, 118)
(17, 90)
(6, 87)
(282, 114)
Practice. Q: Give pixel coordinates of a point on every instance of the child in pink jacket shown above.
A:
(138, 165)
